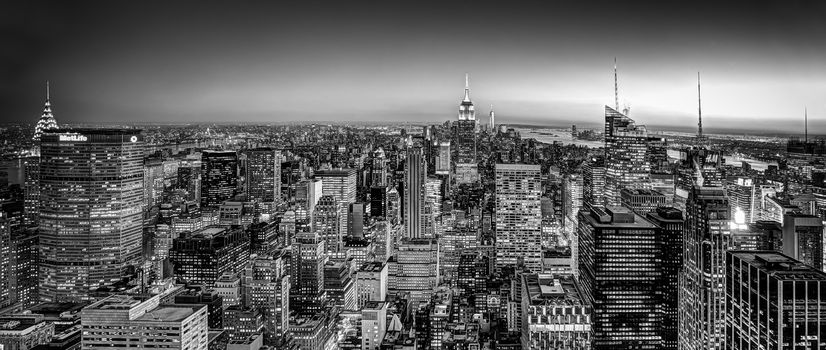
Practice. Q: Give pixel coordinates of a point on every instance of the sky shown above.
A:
(537, 62)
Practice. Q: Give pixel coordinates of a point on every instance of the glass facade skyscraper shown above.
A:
(91, 198)
(518, 216)
(626, 161)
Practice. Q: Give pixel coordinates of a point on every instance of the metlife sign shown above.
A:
(71, 138)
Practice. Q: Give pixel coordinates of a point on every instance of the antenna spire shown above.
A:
(699, 110)
(806, 124)
(616, 88)
(467, 89)
(47, 90)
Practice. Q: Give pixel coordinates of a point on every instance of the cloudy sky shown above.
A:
(761, 62)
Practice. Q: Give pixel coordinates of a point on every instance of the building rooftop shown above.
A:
(372, 266)
(779, 265)
(546, 289)
(170, 313)
(616, 217)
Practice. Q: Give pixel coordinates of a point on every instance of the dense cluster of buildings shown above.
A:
(444, 237)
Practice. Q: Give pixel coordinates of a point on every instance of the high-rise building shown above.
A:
(326, 221)
(518, 216)
(91, 195)
(642, 201)
(378, 202)
(669, 222)
(123, 322)
(697, 166)
(433, 207)
(554, 314)
(378, 176)
(339, 285)
(702, 295)
(263, 175)
(189, 177)
(307, 267)
(415, 269)
(202, 256)
(373, 324)
(31, 190)
(414, 193)
(341, 184)
(371, 283)
(466, 158)
(593, 181)
(219, 177)
(626, 165)
(773, 302)
(47, 121)
(803, 239)
(741, 192)
(571, 201)
(443, 158)
(25, 266)
(394, 204)
(267, 287)
(6, 262)
(355, 219)
(307, 194)
(620, 268)
(153, 182)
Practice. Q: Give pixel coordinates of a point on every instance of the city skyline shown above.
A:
(537, 63)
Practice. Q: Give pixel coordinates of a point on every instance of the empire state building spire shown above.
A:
(466, 110)
(47, 120)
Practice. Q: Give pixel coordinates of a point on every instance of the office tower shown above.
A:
(593, 181)
(697, 166)
(669, 222)
(121, 322)
(219, 177)
(658, 155)
(783, 310)
(241, 323)
(702, 296)
(443, 158)
(339, 285)
(415, 269)
(311, 333)
(642, 201)
(394, 205)
(741, 192)
(25, 266)
(620, 268)
(473, 272)
(202, 256)
(371, 283)
(518, 216)
(267, 287)
(307, 264)
(189, 177)
(307, 194)
(6, 262)
(341, 184)
(153, 182)
(31, 190)
(760, 235)
(414, 193)
(326, 221)
(803, 239)
(47, 121)
(378, 175)
(571, 201)
(378, 202)
(373, 324)
(466, 158)
(91, 193)
(433, 207)
(555, 314)
(263, 237)
(263, 176)
(626, 164)
(355, 220)
(454, 243)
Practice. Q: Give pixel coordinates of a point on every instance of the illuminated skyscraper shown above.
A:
(593, 181)
(518, 216)
(697, 166)
(443, 158)
(620, 268)
(219, 177)
(773, 302)
(803, 239)
(706, 238)
(626, 146)
(307, 273)
(379, 169)
(414, 193)
(466, 159)
(203, 256)
(91, 183)
(263, 182)
(47, 120)
(341, 184)
(326, 221)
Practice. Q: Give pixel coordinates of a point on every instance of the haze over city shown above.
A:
(761, 62)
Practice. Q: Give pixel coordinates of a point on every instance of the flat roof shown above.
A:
(779, 265)
(167, 313)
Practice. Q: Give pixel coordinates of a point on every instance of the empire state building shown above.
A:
(466, 162)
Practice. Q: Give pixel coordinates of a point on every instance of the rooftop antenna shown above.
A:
(616, 88)
(47, 90)
(806, 124)
(699, 110)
